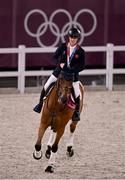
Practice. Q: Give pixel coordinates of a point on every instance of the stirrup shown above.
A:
(38, 108)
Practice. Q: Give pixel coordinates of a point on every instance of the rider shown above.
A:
(70, 57)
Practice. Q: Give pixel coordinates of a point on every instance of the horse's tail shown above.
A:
(82, 89)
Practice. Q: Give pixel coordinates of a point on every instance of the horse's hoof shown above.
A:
(48, 152)
(70, 151)
(50, 169)
(47, 155)
(37, 155)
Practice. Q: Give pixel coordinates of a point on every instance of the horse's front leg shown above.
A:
(54, 149)
(70, 143)
(37, 154)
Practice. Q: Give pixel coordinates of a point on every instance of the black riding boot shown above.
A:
(38, 107)
(76, 115)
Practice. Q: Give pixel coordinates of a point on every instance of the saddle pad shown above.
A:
(71, 103)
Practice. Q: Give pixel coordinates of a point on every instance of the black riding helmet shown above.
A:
(74, 33)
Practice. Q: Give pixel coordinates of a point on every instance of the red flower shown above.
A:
(76, 56)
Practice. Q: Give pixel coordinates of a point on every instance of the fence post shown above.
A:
(109, 66)
(21, 69)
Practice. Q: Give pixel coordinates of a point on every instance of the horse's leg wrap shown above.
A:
(71, 140)
(52, 159)
(37, 147)
(51, 138)
(51, 163)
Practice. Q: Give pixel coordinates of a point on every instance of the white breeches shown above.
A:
(76, 88)
(51, 79)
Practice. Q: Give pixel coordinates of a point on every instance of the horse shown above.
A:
(57, 111)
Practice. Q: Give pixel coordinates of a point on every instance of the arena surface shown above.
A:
(99, 139)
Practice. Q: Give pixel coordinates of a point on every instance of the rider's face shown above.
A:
(73, 41)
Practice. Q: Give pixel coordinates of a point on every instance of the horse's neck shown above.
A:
(52, 102)
(53, 96)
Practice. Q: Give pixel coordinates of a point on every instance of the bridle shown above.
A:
(63, 89)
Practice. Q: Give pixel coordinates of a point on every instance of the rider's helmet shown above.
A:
(74, 33)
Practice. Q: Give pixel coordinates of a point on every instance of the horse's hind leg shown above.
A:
(54, 149)
(70, 143)
(50, 143)
(38, 153)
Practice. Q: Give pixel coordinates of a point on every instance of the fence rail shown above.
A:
(21, 73)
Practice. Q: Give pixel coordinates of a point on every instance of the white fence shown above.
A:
(21, 73)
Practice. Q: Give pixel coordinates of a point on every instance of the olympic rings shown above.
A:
(60, 34)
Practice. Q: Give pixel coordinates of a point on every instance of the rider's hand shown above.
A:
(62, 65)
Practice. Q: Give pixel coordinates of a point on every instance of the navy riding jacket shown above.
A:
(77, 62)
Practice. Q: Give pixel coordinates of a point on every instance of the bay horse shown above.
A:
(57, 110)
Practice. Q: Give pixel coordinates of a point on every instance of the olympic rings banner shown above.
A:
(46, 24)
(59, 33)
